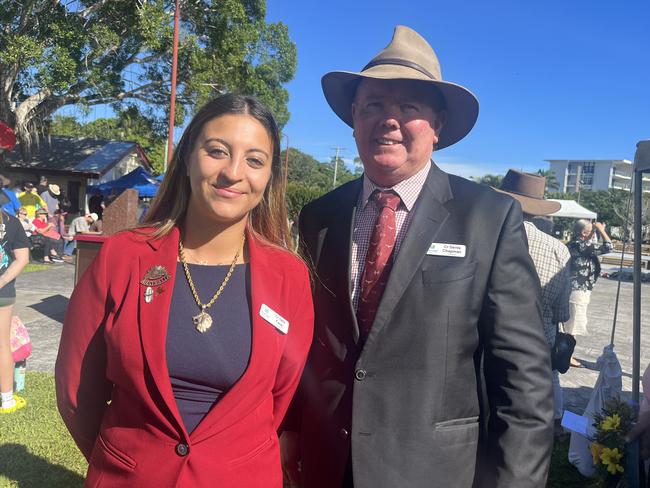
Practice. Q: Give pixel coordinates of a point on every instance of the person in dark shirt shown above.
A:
(95, 204)
(14, 255)
(585, 271)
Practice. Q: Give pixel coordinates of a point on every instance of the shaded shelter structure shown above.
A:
(139, 179)
(573, 210)
(73, 163)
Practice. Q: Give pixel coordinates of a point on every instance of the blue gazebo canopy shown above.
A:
(138, 179)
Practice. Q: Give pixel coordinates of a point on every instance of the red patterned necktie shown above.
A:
(378, 260)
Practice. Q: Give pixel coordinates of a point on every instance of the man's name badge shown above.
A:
(449, 250)
(155, 276)
(274, 318)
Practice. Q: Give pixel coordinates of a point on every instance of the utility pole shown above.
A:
(336, 163)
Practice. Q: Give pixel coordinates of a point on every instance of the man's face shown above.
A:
(395, 127)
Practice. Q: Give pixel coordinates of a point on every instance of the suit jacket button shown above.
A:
(343, 434)
(360, 374)
(182, 449)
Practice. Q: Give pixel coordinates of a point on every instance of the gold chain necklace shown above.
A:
(203, 321)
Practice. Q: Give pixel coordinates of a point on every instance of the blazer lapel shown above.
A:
(429, 216)
(153, 319)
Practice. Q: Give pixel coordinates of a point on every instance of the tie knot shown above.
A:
(386, 198)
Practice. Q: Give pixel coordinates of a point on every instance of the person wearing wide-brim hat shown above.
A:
(552, 262)
(427, 324)
(528, 190)
(51, 198)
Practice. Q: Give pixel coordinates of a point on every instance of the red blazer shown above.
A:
(113, 348)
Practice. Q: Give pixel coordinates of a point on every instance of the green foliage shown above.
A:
(35, 447)
(610, 205)
(612, 424)
(118, 52)
(299, 195)
(309, 179)
(129, 125)
(306, 170)
(551, 179)
(488, 180)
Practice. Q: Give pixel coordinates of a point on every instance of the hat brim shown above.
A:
(534, 206)
(462, 106)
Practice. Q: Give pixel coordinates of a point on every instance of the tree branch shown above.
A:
(84, 14)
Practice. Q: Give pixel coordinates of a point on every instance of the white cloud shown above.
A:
(467, 167)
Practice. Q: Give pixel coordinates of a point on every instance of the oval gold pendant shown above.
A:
(202, 321)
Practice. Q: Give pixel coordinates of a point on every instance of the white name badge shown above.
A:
(274, 318)
(443, 249)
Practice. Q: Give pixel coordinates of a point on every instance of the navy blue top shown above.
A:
(204, 366)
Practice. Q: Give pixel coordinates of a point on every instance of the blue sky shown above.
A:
(555, 79)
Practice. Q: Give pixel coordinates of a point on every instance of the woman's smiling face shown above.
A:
(229, 168)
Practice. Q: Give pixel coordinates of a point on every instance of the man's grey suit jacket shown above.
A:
(453, 385)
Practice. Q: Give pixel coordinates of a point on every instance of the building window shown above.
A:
(588, 168)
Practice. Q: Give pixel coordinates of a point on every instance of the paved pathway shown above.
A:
(578, 382)
(43, 296)
(41, 301)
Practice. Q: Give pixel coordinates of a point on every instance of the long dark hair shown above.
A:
(268, 220)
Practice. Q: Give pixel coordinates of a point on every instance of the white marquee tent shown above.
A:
(573, 210)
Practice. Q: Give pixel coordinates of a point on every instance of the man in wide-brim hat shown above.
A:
(428, 333)
(551, 259)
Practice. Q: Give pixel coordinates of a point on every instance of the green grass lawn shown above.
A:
(36, 450)
(36, 267)
(563, 474)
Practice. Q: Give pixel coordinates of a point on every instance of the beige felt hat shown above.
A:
(408, 57)
(528, 190)
(54, 189)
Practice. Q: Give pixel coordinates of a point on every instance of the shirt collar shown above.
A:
(408, 189)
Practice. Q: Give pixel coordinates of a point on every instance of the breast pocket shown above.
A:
(450, 271)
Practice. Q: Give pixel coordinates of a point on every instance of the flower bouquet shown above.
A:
(608, 445)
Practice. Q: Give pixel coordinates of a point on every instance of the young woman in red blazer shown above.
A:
(184, 341)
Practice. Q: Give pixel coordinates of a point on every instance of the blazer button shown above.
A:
(182, 449)
(360, 374)
(343, 434)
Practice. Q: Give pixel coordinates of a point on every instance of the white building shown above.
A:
(593, 174)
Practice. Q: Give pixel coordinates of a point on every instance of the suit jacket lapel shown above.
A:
(334, 267)
(153, 319)
(429, 216)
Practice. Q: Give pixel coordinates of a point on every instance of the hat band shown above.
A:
(399, 62)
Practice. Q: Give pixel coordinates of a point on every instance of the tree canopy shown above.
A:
(488, 180)
(128, 125)
(306, 170)
(91, 52)
(309, 179)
